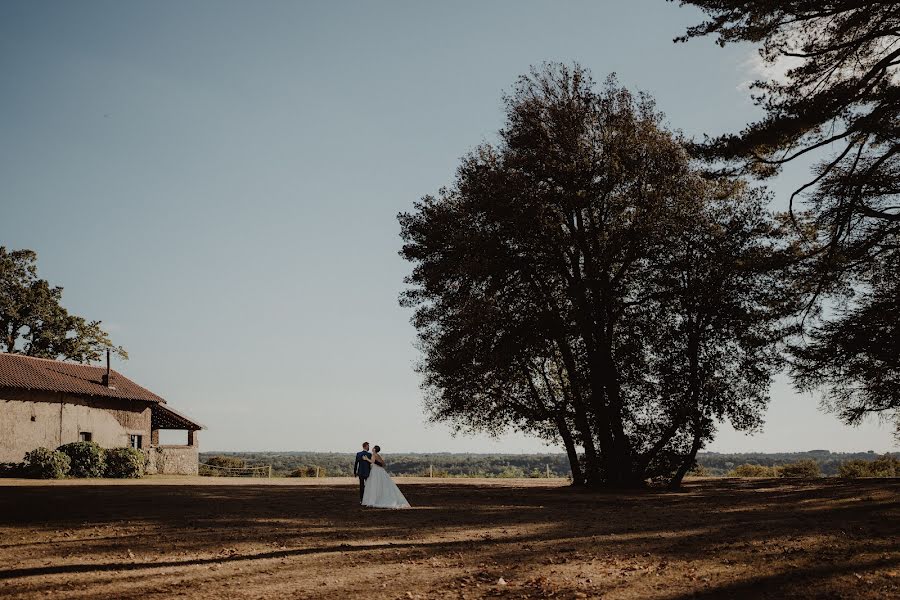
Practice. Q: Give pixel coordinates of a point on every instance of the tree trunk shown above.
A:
(571, 452)
(689, 461)
(618, 462)
(584, 318)
(643, 462)
(694, 358)
(582, 424)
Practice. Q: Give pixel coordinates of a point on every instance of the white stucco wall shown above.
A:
(50, 419)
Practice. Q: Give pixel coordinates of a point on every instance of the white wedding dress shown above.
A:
(381, 491)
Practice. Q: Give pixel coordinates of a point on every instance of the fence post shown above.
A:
(548, 471)
(270, 471)
(430, 470)
(317, 471)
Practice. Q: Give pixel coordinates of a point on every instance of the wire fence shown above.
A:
(208, 470)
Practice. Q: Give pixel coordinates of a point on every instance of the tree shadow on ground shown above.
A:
(714, 538)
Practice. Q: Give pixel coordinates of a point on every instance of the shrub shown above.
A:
(86, 457)
(802, 468)
(307, 471)
(511, 472)
(699, 471)
(886, 466)
(12, 469)
(433, 472)
(226, 462)
(43, 463)
(123, 463)
(853, 469)
(883, 466)
(748, 470)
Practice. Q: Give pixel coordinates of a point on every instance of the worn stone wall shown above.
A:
(172, 460)
(31, 419)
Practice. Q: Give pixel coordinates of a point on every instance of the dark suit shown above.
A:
(361, 469)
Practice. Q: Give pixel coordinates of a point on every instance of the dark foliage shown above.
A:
(857, 353)
(32, 320)
(841, 91)
(13, 469)
(580, 281)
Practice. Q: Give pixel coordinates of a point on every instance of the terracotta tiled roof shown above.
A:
(27, 373)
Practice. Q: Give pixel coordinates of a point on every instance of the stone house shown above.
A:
(49, 403)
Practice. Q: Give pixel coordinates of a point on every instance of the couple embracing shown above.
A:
(376, 488)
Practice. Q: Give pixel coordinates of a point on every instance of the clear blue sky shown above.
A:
(218, 182)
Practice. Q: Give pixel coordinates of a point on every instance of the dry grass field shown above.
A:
(240, 538)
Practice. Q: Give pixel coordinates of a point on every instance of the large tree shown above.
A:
(581, 281)
(833, 96)
(34, 322)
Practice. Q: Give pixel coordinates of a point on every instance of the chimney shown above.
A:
(107, 377)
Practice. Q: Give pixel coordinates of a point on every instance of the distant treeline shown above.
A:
(716, 464)
(337, 464)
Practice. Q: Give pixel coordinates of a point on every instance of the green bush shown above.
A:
(883, 466)
(43, 463)
(86, 457)
(12, 469)
(802, 468)
(748, 470)
(123, 463)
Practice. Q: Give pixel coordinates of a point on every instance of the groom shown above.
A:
(361, 468)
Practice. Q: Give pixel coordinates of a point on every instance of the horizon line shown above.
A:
(560, 452)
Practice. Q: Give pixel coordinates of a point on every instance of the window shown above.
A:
(85, 436)
(136, 441)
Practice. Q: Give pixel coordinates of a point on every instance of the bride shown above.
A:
(380, 490)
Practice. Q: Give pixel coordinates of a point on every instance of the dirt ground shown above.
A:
(240, 538)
